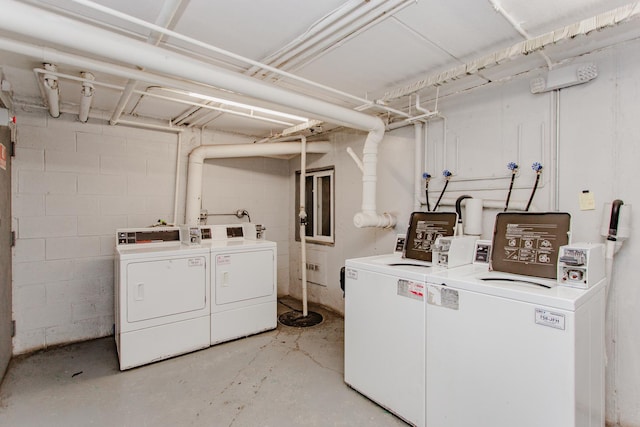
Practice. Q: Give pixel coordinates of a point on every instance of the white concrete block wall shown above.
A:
(259, 185)
(73, 185)
(487, 128)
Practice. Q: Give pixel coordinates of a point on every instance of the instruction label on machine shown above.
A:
(528, 243)
(409, 289)
(223, 260)
(549, 318)
(443, 297)
(196, 262)
(426, 233)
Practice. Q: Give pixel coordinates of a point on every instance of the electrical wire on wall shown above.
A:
(514, 170)
(537, 167)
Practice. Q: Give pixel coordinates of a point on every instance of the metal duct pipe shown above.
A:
(28, 21)
(199, 154)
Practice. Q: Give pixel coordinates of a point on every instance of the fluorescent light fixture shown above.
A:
(559, 78)
(249, 107)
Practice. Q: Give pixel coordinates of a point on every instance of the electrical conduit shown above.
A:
(29, 21)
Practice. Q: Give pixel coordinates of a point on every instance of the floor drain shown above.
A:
(297, 320)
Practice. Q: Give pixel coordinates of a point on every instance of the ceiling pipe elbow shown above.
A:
(368, 217)
(373, 219)
(199, 154)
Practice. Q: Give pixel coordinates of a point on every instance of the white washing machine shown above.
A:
(243, 281)
(162, 296)
(513, 351)
(384, 331)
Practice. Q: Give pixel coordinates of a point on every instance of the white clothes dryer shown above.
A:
(162, 296)
(243, 281)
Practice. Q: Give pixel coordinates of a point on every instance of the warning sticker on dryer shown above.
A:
(409, 289)
(223, 260)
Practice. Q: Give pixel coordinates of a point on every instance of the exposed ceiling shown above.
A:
(370, 55)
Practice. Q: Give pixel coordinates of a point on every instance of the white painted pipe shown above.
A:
(177, 187)
(303, 217)
(52, 91)
(368, 217)
(417, 166)
(122, 102)
(86, 96)
(355, 158)
(197, 43)
(491, 204)
(199, 154)
(28, 21)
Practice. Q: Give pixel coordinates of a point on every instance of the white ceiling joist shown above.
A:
(599, 22)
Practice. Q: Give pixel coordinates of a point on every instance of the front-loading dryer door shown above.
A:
(241, 276)
(166, 287)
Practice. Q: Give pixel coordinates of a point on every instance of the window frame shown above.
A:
(316, 215)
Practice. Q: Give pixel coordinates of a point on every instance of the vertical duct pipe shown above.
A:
(52, 91)
(417, 166)
(86, 97)
(177, 189)
(303, 222)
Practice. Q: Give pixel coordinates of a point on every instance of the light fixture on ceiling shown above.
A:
(52, 90)
(251, 108)
(86, 96)
(559, 78)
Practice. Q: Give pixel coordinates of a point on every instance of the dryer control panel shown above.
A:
(136, 236)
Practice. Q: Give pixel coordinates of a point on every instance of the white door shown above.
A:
(165, 287)
(495, 362)
(241, 276)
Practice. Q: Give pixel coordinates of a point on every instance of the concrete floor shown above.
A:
(285, 377)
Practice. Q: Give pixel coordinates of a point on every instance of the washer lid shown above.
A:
(527, 289)
(393, 265)
(150, 251)
(242, 244)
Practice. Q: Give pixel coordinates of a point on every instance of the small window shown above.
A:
(319, 204)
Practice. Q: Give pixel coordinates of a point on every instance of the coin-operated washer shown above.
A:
(521, 344)
(384, 322)
(243, 280)
(162, 302)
